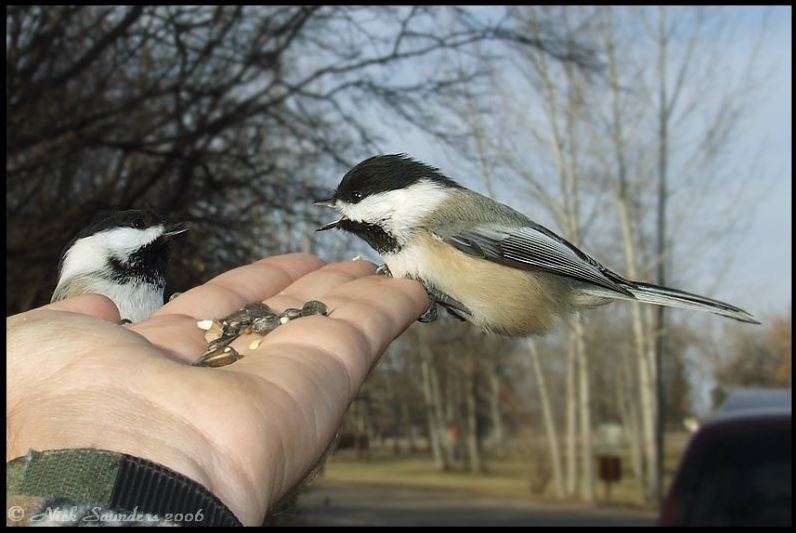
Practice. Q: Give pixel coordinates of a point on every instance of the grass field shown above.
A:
(504, 478)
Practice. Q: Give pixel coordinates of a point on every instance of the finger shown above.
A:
(173, 328)
(180, 336)
(177, 335)
(316, 285)
(381, 308)
(232, 290)
(338, 350)
(94, 305)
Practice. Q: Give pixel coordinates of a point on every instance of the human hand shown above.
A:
(249, 431)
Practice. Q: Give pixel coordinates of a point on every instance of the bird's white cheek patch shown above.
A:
(86, 255)
(372, 209)
(399, 211)
(127, 240)
(91, 254)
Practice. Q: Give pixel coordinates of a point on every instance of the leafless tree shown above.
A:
(653, 102)
(230, 117)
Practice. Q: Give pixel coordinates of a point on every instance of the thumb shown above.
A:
(94, 305)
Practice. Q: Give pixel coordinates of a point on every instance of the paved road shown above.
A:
(360, 505)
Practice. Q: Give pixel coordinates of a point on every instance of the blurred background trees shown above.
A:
(229, 117)
(594, 121)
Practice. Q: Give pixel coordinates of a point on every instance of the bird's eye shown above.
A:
(356, 195)
(138, 223)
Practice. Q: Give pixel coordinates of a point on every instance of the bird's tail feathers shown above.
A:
(657, 295)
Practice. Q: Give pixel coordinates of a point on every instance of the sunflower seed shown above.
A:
(314, 307)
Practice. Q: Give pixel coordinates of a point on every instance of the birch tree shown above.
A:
(671, 83)
(434, 407)
(549, 422)
(625, 199)
(561, 98)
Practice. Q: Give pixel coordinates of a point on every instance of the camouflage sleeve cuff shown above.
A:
(87, 487)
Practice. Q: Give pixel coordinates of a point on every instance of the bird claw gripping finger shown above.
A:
(430, 314)
(451, 305)
(384, 270)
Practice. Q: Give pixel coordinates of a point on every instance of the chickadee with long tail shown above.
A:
(481, 260)
(123, 257)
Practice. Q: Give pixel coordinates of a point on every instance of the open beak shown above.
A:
(175, 229)
(330, 225)
(327, 203)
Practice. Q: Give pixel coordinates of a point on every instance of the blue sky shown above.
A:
(767, 260)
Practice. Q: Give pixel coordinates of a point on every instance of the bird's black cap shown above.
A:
(386, 173)
(131, 218)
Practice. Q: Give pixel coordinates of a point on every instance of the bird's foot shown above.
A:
(451, 305)
(430, 314)
(384, 270)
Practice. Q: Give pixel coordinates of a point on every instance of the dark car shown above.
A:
(737, 468)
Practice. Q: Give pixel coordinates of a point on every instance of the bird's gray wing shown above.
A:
(532, 247)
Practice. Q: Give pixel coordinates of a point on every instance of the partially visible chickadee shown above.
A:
(480, 259)
(123, 257)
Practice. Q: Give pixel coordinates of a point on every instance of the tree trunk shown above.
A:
(396, 411)
(585, 411)
(436, 424)
(445, 415)
(641, 345)
(641, 340)
(651, 398)
(661, 252)
(494, 408)
(408, 428)
(549, 422)
(474, 460)
(572, 397)
(628, 411)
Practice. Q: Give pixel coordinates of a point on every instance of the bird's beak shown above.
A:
(175, 229)
(328, 203)
(330, 225)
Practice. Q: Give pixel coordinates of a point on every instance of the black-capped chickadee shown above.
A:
(480, 259)
(123, 257)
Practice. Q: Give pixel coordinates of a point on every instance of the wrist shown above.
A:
(159, 437)
(90, 486)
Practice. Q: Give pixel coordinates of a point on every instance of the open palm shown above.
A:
(248, 431)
